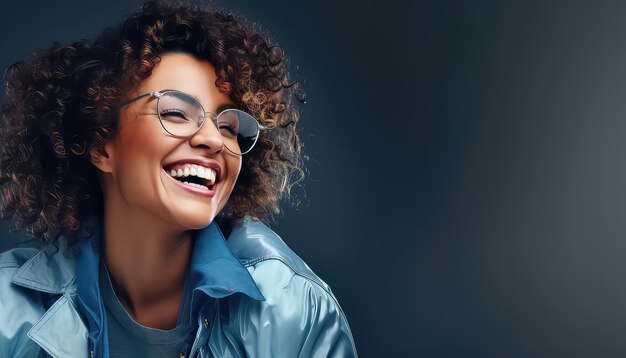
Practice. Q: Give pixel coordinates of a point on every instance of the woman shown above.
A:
(132, 157)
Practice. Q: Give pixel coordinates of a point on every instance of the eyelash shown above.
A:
(229, 128)
(167, 112)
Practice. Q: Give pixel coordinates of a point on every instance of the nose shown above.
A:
(208, 137)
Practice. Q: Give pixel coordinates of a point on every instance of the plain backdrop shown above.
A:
(466, 181)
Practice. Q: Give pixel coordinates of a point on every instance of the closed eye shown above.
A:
(232, 130)
(174, 115)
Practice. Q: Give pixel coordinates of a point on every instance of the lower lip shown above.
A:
(208, 193)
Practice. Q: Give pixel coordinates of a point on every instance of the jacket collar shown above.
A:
(50, 270)
(216, 272)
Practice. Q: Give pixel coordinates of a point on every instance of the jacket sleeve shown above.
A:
(299, 317)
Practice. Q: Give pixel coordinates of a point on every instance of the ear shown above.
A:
(103, 160)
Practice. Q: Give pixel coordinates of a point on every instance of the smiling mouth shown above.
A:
(193, 175)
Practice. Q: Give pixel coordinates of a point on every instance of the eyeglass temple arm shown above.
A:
(138, 98)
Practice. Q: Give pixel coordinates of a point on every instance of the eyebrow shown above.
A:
(218, 110)
(225, 106)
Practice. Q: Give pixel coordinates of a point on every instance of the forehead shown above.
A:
(186, 73)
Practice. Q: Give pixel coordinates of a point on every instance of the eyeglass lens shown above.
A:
(182, 115)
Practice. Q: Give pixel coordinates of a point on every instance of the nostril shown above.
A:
(215, 148)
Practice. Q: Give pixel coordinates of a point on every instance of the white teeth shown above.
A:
(197, 185)
(198, 171)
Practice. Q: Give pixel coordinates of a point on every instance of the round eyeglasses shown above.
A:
(181, 115)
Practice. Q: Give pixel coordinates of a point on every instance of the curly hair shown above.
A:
(62, 107)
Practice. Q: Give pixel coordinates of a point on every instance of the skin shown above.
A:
(150, 221)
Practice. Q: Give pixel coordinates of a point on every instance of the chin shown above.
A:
(193, 215)
(191, 220)
(200, 223)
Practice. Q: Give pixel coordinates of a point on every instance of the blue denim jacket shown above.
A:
(252, 296)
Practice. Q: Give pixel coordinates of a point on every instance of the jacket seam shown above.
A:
(40, 287)
(296, 272)
(9, 265)
(43, 287)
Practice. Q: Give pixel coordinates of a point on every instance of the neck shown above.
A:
(147, 261)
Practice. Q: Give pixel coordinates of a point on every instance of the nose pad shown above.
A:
(208, 136)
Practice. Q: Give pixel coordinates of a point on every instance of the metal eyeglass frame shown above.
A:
(159, 94)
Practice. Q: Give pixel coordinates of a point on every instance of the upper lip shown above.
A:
(203, 162)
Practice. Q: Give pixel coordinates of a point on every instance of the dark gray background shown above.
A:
(465, 195)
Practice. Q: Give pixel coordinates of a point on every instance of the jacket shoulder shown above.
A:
(300, 314)
(253, 242)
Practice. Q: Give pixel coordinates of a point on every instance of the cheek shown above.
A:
(142, 144)
(138, 158)
(233, 169)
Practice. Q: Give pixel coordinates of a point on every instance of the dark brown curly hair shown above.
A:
(61, 107)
